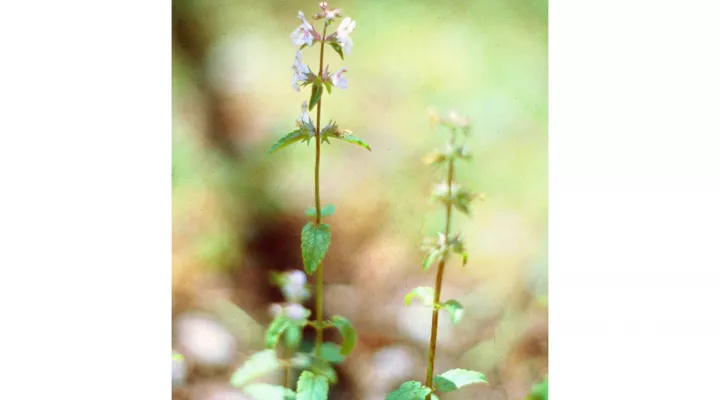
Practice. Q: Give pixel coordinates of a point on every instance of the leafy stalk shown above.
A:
(318, 214)
(438, 282)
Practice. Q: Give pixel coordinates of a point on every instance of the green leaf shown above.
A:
(323, 368)
(464, 258)
(293, 336)
(274, 330)
(257, 365)
(331, 353)
(456, 378)
(347, 136)
(325, 211)
(315, 243)
(312, 387)
(265, 391)
(412, 390)
(338, 49)
(455, 309)
(427, 294)
(539, 391)
(317, 90)
(431, 258)
(287, 140)
(348, 333)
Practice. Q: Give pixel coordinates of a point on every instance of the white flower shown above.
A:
(295, 311)
(304, 121)
(275, 310)
(328, 14)
(305, 34)
(338, 80)
(301, 72)
(296, 278)
(342, 35)
(294, 288)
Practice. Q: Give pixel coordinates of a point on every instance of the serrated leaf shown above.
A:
(331, 353)
(455, 309)
(312, 387)
(427, 294)
(265, 391)
(293, 336)
(257, 365)
(317, 90)
(274, 330)
(287, 140)
(325, 211)
(456, 378)
(347, 137)
(322, 367)
(348, 333)
(412, 390)
(315, 244)
(338, 49)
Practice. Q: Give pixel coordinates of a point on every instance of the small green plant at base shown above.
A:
(451, 196)
(539, 391)
(317, 370)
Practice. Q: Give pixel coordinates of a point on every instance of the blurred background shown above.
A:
(237, 214)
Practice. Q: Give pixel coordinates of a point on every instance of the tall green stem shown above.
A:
(438, 282)
(318, 217)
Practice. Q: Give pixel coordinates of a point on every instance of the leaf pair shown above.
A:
(446, 382)
(426, 294)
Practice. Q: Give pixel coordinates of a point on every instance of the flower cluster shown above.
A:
(306, 35)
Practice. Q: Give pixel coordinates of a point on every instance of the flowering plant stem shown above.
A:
(318, 218)
(438, 284)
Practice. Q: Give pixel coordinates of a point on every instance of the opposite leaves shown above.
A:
(315, 243)
(456, 378)
(325, 211)
(312, 387)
